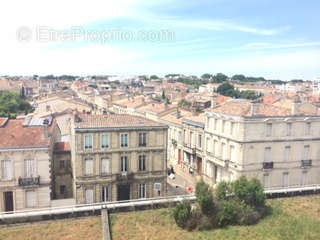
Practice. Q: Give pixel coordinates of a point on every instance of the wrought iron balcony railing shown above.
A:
(306, 163)
(29, 181)
(267, 165)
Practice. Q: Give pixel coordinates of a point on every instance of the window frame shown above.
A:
(123, 134)
(144, 139)
(142, 158)
(125, 157)
(108, 140)
(84, 145)
(88, 158)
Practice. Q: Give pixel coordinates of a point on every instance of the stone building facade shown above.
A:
(117, 157)
(279, 146)
(25, 157)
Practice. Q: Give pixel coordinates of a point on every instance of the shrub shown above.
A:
(228, 213)
(194, 219)
(182, 213)
(205, 198)
(251, 192)
(247, 215)
(223, 189)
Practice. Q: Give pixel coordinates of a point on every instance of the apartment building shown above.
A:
(193, 144)
(279, 146)
(117, 157)
(25, 157)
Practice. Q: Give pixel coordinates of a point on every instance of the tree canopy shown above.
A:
(11, 103)
(227, 89)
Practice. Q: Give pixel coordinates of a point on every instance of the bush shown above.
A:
(247, 215)
(228, 213)
(223, 190)
(182, 213)
(251, 192)
(194, 220)
(205, 198)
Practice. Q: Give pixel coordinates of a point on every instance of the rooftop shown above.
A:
(113, 121)
(15, 135)
(244, 108)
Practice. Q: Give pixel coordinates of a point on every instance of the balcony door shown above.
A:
(8, 201)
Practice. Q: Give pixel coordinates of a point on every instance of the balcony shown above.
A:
(306, 163)
(30, 181)
(268, 165)
(124, 176)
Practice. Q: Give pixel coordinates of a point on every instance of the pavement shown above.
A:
(179, 185)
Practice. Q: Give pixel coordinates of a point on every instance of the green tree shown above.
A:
(12, 103)
(154, 77)
(206, 76)
(225, 89)
(182, 213)
(219, 78)
(205, 198)
(239, 77)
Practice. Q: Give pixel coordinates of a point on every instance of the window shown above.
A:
(29, 169)
(124, 163)
(142, 190)
(208, 145)
(285, 179)
(143, 139)
(89, 195)
(6, 170)
(88, 166)
(105, 165)
(214, 123)
(62, 189)
(209, 169)
(289, 127)
(30, 199)
(124, 140)
(180, 136)
(269, 129)
(105, 194)
(308, 128)
(306, 152)
(88, 142)
(266, 180)
(232, 128)
(223, 124)
(62, 164)
(287, 151)
(216, 148)
(304, 180)
(200, 141)
(105, 141)
(223, 150)
(142, 162)
(267, 151)
(232, 154)
(191, 139)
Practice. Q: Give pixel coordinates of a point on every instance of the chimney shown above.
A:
(178, 113)
(295, 105)
(255, 108)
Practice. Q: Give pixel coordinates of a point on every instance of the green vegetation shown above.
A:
(184, 103)
(227, 89)
(70, 229)
(154, 77)
(241, 202)
(289, 219)
(193, 82)
(11, 104)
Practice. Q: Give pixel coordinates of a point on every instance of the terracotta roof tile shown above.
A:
(14, 135)
(114, 121)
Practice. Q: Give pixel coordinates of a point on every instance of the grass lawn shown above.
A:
(71, 229)
(291, 218)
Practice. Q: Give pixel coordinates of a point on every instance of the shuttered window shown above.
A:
(31, 199)
(29, 168)
(89, 195)
(6, 170)
(88, 168)
(105, 165)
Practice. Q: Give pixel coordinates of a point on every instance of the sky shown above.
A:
(269, 38)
